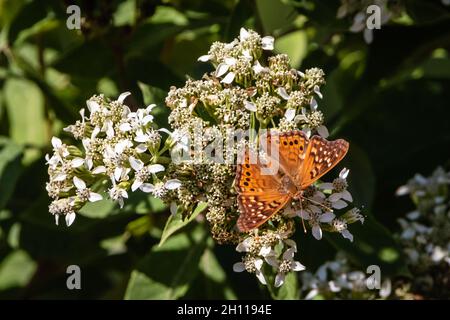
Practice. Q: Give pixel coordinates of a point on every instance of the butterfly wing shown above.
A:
(290, 147)
(257, 208)
(320, 157)
(259, 194)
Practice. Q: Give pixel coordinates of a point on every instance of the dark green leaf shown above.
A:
(167, 271)
(176, 222)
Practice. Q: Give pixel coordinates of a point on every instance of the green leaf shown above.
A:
(167, 271)
(16, 270)
(98, 210)
(294, 44)
(215, 278)
(289, 290)
(176, 222)
(275, 15)
(10, 169)
(25, 107)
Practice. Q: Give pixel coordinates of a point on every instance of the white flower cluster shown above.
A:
(320, 202)
(425, 239)
(425, 234)
(272, 248)
(337, 280)
(123, 151)
(119, 148)
(359, 10)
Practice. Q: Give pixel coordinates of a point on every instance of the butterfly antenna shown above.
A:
(318, 203)
(303, 221)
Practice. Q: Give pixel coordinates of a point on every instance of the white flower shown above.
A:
(287, 264)
(255, 263)
(85, 193)
(223, 69)
(142, 172)
(315, 220)
(60, 150)
(159, 189)
(117, 193)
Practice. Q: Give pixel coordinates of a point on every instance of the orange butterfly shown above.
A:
(300, 162)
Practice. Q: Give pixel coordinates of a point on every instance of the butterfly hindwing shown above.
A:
(257, 208)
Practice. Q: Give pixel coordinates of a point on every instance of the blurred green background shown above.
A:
(390, 99)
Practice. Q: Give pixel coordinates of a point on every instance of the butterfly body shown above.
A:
(294, 162)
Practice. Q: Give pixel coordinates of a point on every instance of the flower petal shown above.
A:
(56, 142)
(317, 91)
(291, 243)
(283, 93)
(147, 187)
(99, 169)
(172, 184)
(265, 250)
(123, 96)
(258, 263)
(323, 131)
(297, 266)
(267, 43)
(243, 34)
(289, 115)
(347, 196)
(238, 267)
(327, 217)
(204, 58)
(79, 184)
(141, 148)
(77, 162)
(228, 78)
(136, 184)
(94, 197)
(289, 254)
(340, 204)
(260, 277)
(136, 164)
(326, 186)
(155, 168)
(347, 235)
(70, 218)
(279, 280)
(250, 106)
(317, 232)
(124, 127)
(344, 173)
(222, 69)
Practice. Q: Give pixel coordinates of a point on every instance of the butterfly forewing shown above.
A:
(291, 147)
